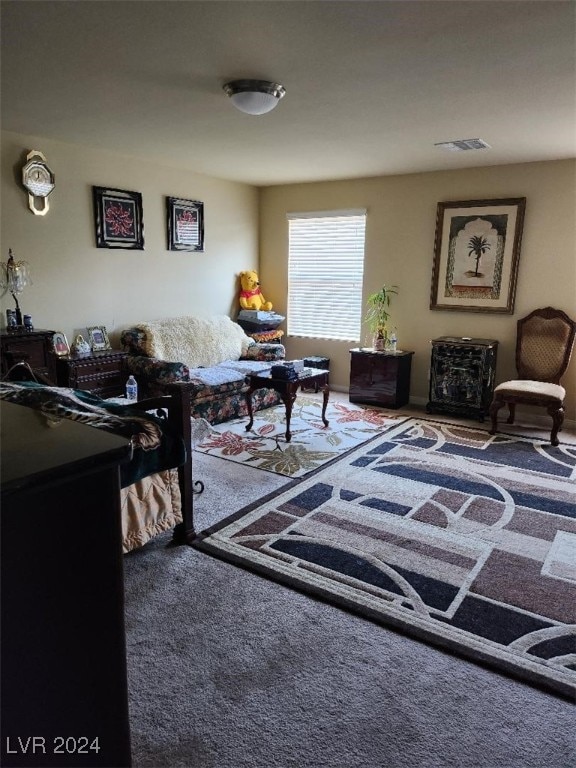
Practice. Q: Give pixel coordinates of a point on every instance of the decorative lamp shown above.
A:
(14, 277)
(254, 97)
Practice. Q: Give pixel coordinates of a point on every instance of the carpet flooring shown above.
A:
(228, 669)
(451, 535)
(312, 444)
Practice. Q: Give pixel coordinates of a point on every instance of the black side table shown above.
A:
(287, 389)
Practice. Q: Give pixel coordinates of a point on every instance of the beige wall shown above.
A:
(76, 284)
(399, 250)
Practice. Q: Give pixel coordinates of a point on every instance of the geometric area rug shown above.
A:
(453, 536)
(312, 445)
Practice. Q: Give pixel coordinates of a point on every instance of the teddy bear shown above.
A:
(250, 295)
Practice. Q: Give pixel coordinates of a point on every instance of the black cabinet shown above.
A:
(462, 376)
(380, 378)
(64, 695)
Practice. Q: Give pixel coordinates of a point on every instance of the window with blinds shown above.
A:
(325, 271)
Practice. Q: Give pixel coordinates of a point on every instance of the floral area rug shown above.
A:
(312, 443)
(454, 536)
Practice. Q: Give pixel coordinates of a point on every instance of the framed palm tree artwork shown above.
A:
(476, 255)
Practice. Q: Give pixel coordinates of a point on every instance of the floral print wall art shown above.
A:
(185, 219)
(118, 218)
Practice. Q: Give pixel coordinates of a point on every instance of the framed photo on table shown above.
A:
(118, 218)
(185, 219)
(476, 255)
(98, 338)
(60, 344)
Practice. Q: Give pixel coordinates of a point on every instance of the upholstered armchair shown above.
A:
(544, 343)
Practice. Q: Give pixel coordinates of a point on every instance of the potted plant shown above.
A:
(377, 315)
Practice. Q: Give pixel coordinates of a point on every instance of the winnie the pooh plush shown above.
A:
(250, 295)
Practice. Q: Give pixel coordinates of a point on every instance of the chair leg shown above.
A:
(557, 421)
(493, 411)
(511, 414)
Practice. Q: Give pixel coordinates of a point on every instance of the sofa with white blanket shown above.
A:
(211, 357)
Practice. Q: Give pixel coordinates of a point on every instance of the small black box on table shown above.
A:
(317, 362)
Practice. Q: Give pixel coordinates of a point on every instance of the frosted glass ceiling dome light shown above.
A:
(254, 97)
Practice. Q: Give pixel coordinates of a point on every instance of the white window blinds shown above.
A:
(325, 271)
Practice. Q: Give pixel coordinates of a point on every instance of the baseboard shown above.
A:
(523, 415)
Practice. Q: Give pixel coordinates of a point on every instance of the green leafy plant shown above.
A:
(377, 314)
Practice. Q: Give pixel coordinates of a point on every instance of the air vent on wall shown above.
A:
(460, 145)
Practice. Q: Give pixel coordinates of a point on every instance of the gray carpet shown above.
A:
(230, 670)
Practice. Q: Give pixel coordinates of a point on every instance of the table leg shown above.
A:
(325, 395)
(249, 406)
(288, 398)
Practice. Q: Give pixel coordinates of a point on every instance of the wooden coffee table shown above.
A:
(287, 390)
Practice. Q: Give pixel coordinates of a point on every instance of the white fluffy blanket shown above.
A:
(195, 341)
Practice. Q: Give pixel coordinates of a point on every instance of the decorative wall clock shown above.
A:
(39, 181)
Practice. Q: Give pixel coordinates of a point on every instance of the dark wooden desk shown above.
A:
(63, 643)
(287, 391)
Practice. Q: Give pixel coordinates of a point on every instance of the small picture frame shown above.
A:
(118, 218)
(185, 219)
(60, 344)
(98, 338)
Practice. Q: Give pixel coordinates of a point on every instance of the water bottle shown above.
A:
(393, 342)
(131, 389)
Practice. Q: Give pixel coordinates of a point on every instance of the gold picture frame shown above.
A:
(98, 338)
(476, 255)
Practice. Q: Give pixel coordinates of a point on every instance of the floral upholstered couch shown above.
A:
(211, 357)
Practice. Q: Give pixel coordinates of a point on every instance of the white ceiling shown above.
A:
(371, 86)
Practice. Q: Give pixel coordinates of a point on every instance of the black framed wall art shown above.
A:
(118, 218)
(185, 221)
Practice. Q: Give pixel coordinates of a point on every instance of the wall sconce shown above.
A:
(14, 277)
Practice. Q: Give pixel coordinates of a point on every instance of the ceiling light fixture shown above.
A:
(254, 97)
